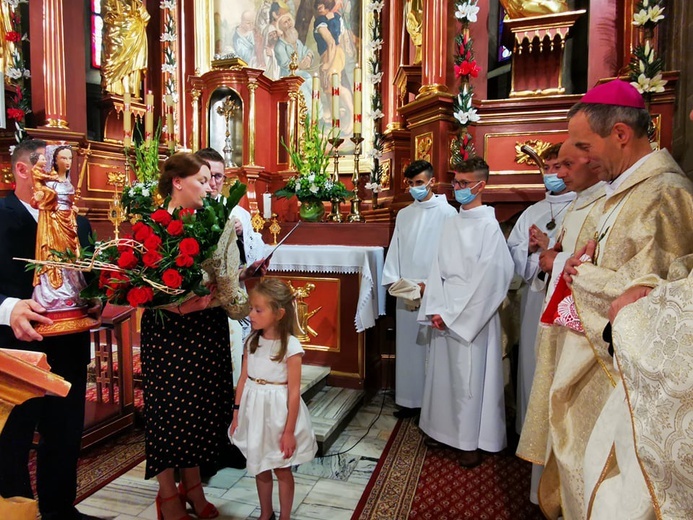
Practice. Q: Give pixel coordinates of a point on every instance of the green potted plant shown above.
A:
(312, 184)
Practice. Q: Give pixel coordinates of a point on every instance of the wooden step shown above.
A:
(330, 411)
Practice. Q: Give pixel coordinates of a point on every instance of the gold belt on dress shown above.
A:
(264, 381)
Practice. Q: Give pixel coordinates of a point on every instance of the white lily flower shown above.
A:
(167, 4)
(377, 78)
(377, 114)
(657, 83)
(168, 37)
(169, 67)
(655, 13)
(311, 177)
(27, 74)
(145, 192)
(14, 73)
(375, 45)
(640, 18)
(313, 188)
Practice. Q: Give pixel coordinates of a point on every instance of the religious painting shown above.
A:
(327, 38)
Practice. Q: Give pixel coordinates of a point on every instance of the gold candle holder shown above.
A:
(116, 212)
(335, 215)
(258, 222)
(355, 213)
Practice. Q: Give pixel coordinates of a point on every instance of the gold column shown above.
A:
(54, 64)
(293, 134)
(195, 133)
(252, 87)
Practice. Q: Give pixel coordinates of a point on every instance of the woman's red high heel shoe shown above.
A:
(209, 510)
(159, 501)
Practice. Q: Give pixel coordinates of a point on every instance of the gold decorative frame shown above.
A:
(423, 145)
(526, 135)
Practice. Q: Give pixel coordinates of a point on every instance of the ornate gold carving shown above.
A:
(303, 314)
(6, 176)
(116, 178)
(537, 145)
(125, 45)
(431, 90)
(424, 146)
(234, 63)
(385, 176)
(252, 87)
(56, 123)
(527, 8)
(257, 221)
(414, 23)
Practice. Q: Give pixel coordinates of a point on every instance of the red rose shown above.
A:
(12, 36)
(161, 216)
(139, 296)
(172, 278)
(175, 228)
(189, 246)
(127, 260)
(151, 258)
(15, 113)
(141, 231)
(185, 212)
(184, 261)
(152, 242)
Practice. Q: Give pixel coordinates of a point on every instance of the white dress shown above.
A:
(264, 409)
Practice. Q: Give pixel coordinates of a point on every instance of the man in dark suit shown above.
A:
(58, 420)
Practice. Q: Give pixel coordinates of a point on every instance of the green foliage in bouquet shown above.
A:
(162, 263)
(312, 181)
(140, 197)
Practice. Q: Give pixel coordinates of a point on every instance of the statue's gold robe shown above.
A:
(640, 233)
(653, 345)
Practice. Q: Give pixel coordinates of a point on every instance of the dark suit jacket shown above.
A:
(18, 240)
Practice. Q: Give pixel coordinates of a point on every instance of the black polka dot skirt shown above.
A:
(188, 389)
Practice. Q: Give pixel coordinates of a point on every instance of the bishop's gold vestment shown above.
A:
(653, 344)
(641, 233)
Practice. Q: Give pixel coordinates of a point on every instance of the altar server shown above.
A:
(533, 234)
(413, 246)
(463, 403)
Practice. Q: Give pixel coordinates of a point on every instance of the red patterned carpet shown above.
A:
(104, 463)
(414, 482)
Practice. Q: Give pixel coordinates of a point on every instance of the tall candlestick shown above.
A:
(170, 134)
(315, 95)
(357, 100)
(127, 120)
(149, 117)
(267, 205)
(335, 100)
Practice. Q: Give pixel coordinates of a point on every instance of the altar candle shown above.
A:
(357, 100)
(335, 100)
(127, 121)
(267, 205)
(170, 134)
(149, 118)
(315, 95)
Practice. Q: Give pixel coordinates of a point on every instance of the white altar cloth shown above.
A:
(368, 261)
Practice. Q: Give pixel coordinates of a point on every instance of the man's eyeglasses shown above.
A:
(218, 177)
(460, 185)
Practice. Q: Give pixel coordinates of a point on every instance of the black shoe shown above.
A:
(470, 459)
(434, 444)
(406, 413)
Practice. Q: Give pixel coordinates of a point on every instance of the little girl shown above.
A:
(271, 425)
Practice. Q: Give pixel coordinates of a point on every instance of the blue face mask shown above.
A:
(464, 196)
(553, 183)
(419, 192)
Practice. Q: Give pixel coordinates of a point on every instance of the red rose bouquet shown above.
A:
(169, 256)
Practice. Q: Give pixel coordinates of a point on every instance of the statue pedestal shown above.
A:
(538, 44)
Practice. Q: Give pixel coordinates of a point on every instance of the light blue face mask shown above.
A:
(419, 192)
(553, 183)
(464, 196)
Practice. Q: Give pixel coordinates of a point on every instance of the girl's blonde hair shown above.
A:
(279, 296)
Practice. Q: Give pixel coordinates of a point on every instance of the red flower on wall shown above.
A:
(16, 114)
(13, 36)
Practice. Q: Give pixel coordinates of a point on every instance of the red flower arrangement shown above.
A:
(164, 260)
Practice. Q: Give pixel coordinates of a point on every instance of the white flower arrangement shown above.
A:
(467, 11)
(374, 187)
(376, 6)
(645, 67)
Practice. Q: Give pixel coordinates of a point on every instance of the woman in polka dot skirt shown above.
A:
(186, 363)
